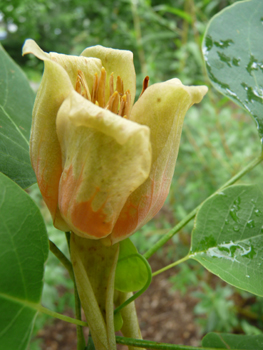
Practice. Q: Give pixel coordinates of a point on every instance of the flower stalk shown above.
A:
(94, 267)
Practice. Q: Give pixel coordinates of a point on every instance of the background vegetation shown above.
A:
(165, 38)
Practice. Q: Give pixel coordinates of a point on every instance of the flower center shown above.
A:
(118, 102)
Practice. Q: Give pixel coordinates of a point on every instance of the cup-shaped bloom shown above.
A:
(103, 164)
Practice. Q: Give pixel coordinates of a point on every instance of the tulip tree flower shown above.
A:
(104, 164)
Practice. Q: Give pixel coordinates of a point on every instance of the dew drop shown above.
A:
(251, 224)
(257, 212)
(208, 43)
(247, 276)
(253, 94)
(236, 228)
(224, 58)
(236, 61)
(237, 201)
(233, 214)
(221, 194)
(224, 43)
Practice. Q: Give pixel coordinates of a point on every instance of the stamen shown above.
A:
(94, 94)
(78, 85)
(144, 84)
(118, 103)
(113, 103)
(119, 85)
(81, 83)
(122, 106)
(101, 88)
(127, 104)
(111, 83)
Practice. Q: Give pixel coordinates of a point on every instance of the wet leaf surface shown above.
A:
(227, 237)
(233, 53)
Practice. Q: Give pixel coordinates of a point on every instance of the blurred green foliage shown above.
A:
(218, 137)
(165, 36)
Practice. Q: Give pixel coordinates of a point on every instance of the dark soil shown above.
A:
(164, 316)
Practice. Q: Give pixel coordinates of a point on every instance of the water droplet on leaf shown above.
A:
(233, 214)
(251, 224)
(224, 43)
(257, 212)
(237, 201)
(236, 61)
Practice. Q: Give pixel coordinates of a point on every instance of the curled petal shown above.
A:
(162, 108)
(71, 64)
(30, 46)
(118, 61)
(105, 158)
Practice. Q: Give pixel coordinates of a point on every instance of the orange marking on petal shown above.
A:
(48, 180)
(133, 216)
(80, 216)
(90, 222)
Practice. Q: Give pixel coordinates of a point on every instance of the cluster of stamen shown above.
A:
(119, 101)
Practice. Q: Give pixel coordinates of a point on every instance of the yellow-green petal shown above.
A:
(120, 62)
(162, 108)
(45, 150)
(105, 158)
(30, 46)
(58, 81)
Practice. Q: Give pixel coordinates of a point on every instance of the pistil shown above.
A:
(144, 85)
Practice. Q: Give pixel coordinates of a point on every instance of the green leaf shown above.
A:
(16, 104)
(131, 272)
(227, 237)
(233, 341)
(23, 252)
(233, 53)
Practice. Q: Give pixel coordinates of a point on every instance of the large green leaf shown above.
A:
(228, 237)
(233, 54)
(23, 251)
(233, 341)
(16, 103)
